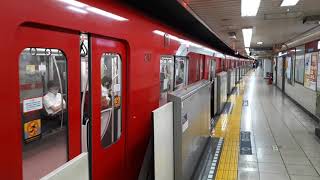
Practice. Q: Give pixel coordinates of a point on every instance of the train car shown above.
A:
(102, 60)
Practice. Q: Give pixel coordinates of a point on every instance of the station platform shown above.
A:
(263, 135)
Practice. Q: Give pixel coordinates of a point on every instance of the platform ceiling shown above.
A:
(272, 25)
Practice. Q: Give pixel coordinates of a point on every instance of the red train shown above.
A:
(102, 59)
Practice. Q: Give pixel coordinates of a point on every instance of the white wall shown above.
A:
(304, 96)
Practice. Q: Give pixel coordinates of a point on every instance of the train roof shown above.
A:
(174, 14)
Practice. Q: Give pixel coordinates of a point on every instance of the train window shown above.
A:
(166, 77)
(110, 98)
(212, 70)
(85, 106)
(43, 100)
(201, 69)
(180, 71)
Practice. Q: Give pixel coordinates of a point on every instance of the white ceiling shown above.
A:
(273, 24)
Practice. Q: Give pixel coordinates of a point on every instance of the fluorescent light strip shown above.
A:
(106, 14)
(159, 32)
(249, 7)
(77, 9)
(182, 41)
(289, 2)
(74, 3)
(84, 8)
(247, 35)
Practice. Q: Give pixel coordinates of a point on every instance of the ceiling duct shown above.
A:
(307, 37)
(280, 16)
(315, 19)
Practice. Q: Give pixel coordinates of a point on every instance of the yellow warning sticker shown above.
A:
(32, 129)
(117, 101)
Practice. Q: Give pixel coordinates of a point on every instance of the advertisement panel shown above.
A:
(310, 78)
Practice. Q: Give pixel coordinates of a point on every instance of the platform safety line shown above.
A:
(213, 166)
(228, 128)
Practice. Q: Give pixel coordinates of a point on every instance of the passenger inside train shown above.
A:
(105, 88)
(53, 100)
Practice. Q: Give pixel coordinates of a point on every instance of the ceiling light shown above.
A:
(77, 10)
(260, 43)
(106, 14)
(289, 2)
(247, 35)
(247, 50)
(249, 7)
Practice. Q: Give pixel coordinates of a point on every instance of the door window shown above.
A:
(110, 98)
(180, 71)
(166, 77)
(43, 102)
(201, 69)
(212, 70)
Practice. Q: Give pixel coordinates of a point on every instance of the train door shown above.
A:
(107, 79)
(49, 124)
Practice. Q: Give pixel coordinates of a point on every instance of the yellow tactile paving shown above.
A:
(228, 127)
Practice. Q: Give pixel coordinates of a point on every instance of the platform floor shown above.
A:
(284, 146)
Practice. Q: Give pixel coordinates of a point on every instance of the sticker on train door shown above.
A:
(32, 104)
(32, 130)
(117, 101)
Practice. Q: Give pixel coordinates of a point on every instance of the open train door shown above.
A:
(107, 74)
